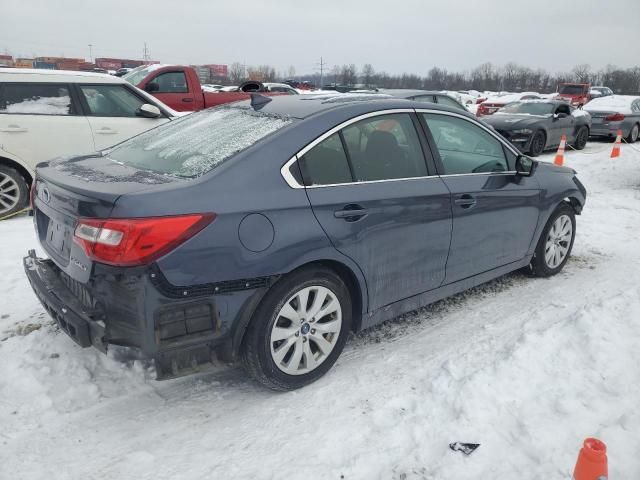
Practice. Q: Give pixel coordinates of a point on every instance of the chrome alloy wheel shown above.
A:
(306, 330)
(9, 193)
(558, 241)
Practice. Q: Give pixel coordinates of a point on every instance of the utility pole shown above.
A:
(90, 53)
(322, 65)
(145, 53)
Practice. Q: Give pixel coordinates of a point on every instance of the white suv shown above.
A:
(48, 113)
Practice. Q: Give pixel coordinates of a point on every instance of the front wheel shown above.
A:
(633, 134)
(299, 329)
(555, 244)
(537, 144)
(581, 138)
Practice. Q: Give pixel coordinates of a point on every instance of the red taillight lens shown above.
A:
(616, 117)
(136, 241)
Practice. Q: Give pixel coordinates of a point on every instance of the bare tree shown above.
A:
(292, 72)
(367, 74)
(582, 73)
(236, 73)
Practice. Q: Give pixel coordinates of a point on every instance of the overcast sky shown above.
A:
(393, 35)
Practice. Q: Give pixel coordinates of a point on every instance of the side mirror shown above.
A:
(556, 116)
(525, 166)
(148, 111)
(151, 87)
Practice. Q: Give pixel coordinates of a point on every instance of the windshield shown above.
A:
(135, 76)
(530, 108)
(572, 89)
(196, 143)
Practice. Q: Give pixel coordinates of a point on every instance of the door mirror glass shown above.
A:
(148, 111)
(524, 166)
(151, 87)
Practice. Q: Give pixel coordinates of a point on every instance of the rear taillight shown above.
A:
(129, 242)
(616, 117)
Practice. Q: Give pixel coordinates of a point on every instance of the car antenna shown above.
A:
(258, 101)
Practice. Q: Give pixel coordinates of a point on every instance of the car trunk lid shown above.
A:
(67, 190)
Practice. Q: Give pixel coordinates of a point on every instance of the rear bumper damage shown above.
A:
(182, 331)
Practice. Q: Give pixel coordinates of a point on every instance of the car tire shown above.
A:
(581, 138)
(285, 353)
(14, 191)
(633, 134)
(554, 246)
(538, 142)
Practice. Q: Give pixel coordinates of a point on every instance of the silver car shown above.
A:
(615, 112)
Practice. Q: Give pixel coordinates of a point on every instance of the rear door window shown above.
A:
(384, 147)
(36, 99)
(464, 147)
(110, 101)
(326, 163)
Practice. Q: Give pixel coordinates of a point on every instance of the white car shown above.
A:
(48, 113)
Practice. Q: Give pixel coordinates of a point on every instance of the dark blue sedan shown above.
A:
(269, 229)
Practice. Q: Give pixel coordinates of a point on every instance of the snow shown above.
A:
(526, 367)
(504, 98)
(41, 105)
(617, 103)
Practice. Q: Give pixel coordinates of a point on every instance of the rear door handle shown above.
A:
(106, 131)
(351, 213)
(14, 129)
(465, 201)
(187, 100)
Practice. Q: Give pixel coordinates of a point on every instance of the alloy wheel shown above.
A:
(9, 193)
(306, 330)
(635, 132)
(558, 241)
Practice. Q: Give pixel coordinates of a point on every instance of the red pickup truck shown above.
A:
(576, 93)
(179, 87)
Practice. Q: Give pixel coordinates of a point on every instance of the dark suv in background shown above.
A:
(270, 229)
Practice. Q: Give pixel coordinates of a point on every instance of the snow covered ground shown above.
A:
(526, 367)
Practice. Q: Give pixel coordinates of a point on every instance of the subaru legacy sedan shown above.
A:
(269, 229)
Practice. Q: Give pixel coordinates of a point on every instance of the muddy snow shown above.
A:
(526, 367)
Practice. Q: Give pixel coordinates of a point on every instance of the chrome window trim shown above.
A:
(291, 181)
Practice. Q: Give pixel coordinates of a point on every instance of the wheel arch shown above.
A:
(23, 170)
(352, 279)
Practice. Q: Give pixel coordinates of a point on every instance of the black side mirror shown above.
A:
(151, 87)
(525, 166)
(560, 115)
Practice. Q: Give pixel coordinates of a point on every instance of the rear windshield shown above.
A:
(197, 143)
(572, 89)
(531, 108)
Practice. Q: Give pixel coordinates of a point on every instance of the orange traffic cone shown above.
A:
(615, 151)
(592, 461)
(559, 160)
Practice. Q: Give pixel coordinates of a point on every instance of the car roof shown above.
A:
(303, 106)
(406, 92)
(55, 76)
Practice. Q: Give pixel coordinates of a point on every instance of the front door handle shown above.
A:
(187, 100)
(106, 131)
(13, 129)
(465, 201)
(351, 213)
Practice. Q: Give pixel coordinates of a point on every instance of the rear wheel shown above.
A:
(633, 134)
(537, 144)
(581, 138)
(299, 329)
(555, 243)
(14, 192)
